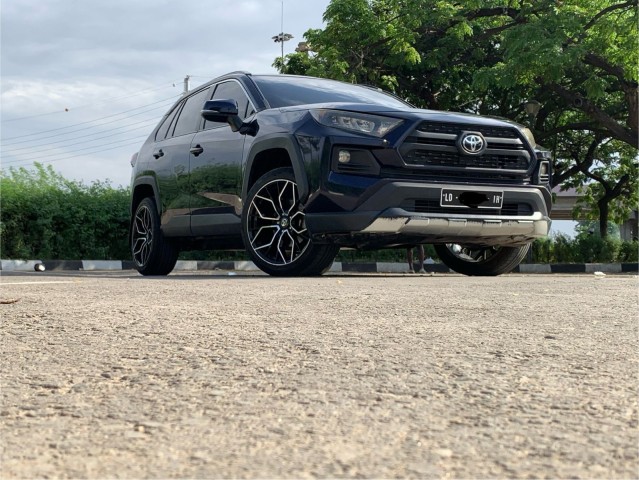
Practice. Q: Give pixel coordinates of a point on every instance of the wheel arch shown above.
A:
(271, 153)
(143, 187)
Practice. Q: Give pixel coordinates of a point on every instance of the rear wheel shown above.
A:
(274, 229)
(481, 261)
(152, 253)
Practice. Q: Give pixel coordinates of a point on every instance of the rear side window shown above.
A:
(190, 118)
(168, 121)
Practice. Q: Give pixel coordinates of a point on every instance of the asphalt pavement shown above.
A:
(224, 375)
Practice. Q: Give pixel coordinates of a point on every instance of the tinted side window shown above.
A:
(164, 128)
(232, 90)
(190, 118)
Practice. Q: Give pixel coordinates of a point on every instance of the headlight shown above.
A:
(374, 125)
(529, 135)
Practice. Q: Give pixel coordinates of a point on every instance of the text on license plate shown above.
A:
(472, 199)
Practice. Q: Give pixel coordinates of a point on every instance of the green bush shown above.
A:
(542, 250)
(563, 249)
(584, 249)
(594, 249)
(629, 252)
(47, 216)
(44, 215)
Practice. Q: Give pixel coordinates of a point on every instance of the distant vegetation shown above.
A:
(585, 248)
(45, 216)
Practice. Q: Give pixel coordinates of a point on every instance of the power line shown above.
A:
(104, 100)
(82, 149)
(74, 156)
(106, 130)
(89, 127)
(47, 146)
(91, 121)
(93, 126)
(94, 120)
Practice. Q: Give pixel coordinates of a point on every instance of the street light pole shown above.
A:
(282, 37)
(532, 108)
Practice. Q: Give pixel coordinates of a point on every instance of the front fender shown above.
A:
(278, 141)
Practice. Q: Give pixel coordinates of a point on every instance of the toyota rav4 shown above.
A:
(294, 168)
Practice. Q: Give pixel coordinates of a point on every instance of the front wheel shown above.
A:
(152, 253)
(274, 229)
(481, 261)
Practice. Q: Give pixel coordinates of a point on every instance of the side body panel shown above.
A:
(215, 182)
(171, 170)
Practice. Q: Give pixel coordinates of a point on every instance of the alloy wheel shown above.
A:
(276, 223)
(471, 254)
(142, 236)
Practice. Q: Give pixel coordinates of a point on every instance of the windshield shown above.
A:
(287, 91)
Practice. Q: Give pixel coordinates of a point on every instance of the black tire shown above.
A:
(274, 229)
(152, 253)
(481, 261)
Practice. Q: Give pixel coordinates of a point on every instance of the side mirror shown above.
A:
(222, 111)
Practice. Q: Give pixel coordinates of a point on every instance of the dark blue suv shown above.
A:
(293, 168)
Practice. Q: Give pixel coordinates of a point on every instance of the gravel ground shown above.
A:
(217, 376)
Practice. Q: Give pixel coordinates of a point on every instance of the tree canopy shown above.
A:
(577, 58)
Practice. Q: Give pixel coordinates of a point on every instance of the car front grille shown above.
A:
(434, 146)
(456, 129)
(449, 159)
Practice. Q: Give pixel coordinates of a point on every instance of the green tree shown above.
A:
(608, 179)
(576, 57)
(591, 227)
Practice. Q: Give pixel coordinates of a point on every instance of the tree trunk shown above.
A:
(603, 216)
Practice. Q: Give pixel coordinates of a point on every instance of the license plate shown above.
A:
(472, 199)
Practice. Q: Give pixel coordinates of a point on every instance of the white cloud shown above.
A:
(84, 56)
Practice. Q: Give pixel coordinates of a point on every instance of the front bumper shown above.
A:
(385, 214)
(492, 230)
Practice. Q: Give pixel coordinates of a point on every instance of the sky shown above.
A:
(83, 83)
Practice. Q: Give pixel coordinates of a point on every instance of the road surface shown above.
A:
(212, 375)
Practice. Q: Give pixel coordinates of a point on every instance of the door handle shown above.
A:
(196, 150)
(158, 153)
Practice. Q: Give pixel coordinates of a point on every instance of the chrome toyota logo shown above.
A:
(472, 143)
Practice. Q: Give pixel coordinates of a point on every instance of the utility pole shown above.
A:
(186, 84)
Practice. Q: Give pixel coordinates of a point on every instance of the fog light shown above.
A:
(344, 156)
(544, 168)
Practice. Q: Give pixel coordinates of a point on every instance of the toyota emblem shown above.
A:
(472, 143)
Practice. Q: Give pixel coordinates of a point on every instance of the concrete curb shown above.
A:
(18, 265)
(90, 265)
(352, 267)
